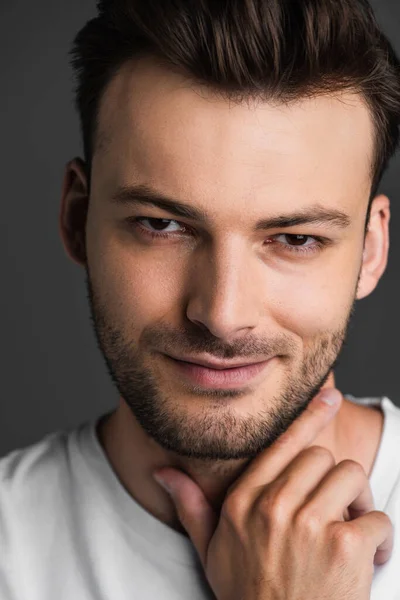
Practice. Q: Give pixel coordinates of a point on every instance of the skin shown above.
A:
(222, 288)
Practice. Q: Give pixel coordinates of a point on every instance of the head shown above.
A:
(273, 126)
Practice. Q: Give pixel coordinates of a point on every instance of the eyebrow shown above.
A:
(144, 195)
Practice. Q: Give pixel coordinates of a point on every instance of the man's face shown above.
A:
(221, 287)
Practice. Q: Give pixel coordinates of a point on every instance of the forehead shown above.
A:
(157, 126)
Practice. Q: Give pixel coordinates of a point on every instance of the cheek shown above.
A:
(138, 289)
(312, 303)
(142, 287)
(312, 309)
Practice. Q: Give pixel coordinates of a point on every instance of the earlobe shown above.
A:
(376, 247)
(73, 210)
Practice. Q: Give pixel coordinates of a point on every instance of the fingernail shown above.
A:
(330, 396)
(163, 484)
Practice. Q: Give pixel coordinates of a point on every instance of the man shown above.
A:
(226, 214)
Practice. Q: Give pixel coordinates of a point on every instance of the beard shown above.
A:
(210, 430)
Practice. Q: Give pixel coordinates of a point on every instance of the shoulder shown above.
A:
(30, 501)
(34, 484)
(34, 465)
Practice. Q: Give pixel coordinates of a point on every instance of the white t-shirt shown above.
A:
(70, 531)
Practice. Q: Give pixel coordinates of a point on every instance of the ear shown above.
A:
(376, 247)
(73, 212)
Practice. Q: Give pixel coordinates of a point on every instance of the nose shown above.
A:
(224, 296)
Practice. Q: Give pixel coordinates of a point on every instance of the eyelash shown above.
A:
(320, 242)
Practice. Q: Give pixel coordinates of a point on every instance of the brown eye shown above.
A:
(157, 224)
(297, 243)
(156, 227)
(296, 239)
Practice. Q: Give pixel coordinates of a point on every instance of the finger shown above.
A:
(345, 486)
(302, 476)
(193, 509)
(270, 463)
(377, 530)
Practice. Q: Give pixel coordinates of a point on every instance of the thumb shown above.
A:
(194, 511)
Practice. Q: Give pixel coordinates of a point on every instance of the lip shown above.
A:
(214, 364)
(218, 378)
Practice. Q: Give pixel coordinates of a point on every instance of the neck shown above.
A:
(122, 439)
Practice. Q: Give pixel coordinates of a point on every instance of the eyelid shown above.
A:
(189, 228)
(307, 250)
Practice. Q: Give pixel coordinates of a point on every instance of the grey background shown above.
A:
(52, 374)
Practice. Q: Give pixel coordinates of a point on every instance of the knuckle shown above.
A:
(321, 453)
(346, 538)
(355, 468)
(233, 507)
(386, 520)
(273, 508)
(308, 520)
(383, 517)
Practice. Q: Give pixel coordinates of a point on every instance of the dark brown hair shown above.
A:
(279, 50)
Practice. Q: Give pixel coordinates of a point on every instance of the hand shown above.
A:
(282, 533)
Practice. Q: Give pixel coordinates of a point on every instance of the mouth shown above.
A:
(218, 378)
